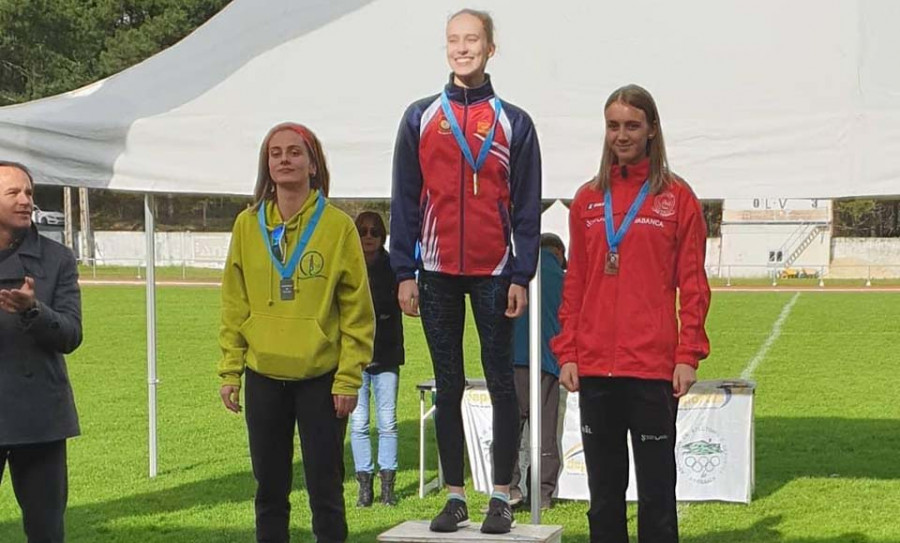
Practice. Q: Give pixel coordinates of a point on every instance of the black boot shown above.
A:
(366, 494)
(387, 487)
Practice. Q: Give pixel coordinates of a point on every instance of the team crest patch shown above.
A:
(311, 265)
(483, 127)
(444, 127)
(664, 204)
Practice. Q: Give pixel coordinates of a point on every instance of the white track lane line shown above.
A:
(685, 507)
(773, 336)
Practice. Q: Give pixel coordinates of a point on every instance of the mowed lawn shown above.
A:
(827, 427)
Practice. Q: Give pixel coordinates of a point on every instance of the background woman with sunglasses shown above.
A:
(380, 380)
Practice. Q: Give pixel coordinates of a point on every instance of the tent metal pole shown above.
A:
(69, 230)
(534, 391)
(149, 230)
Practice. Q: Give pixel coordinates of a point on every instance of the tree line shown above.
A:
(53, 46)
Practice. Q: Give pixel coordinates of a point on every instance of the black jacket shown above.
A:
(389, 354)
(36, 400)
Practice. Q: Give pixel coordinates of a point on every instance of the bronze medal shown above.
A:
(611, 267)
(614, 237)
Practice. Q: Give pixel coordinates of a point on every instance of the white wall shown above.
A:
(878, 258)
(196, 249)
(714, 257)
(209, 249)
(745, 252)
(746, 248)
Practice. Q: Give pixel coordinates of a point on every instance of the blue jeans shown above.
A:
(384, 388)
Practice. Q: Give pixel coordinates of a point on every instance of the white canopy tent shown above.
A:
(798, 99)
(793, 100)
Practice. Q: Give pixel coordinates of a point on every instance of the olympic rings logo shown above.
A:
(702, 464)
(702, 455)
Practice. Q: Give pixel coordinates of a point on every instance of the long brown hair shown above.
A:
(660, 176)
(265, 187)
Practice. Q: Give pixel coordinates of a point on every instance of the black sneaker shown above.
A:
(454, 516)
(499, 519)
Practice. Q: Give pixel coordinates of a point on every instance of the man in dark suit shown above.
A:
(40, 320)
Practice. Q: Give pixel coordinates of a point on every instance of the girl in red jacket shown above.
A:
(638, 241)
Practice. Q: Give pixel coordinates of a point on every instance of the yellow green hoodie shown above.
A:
(330, 323)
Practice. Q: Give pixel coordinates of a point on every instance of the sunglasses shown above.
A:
(369, 231)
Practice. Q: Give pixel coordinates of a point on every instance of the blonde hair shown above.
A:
(486, 21)
(660, 176)
(265, 187)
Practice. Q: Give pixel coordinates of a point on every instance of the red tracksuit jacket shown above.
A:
(625, 325)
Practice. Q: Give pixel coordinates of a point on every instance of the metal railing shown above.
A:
(848, 274)
(139, 265)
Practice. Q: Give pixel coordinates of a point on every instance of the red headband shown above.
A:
(304, 133)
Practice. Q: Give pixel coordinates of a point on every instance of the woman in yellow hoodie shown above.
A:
(298, 324)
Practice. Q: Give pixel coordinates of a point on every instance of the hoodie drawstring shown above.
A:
(271, 272)
(262, 209)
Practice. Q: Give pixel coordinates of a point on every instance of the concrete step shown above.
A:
(416, 531)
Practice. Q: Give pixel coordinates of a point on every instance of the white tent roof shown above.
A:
(758, 99)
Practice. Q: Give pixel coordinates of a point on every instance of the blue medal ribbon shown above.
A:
(277, 238)
(614, 238)
(475, 164)
(286, 271)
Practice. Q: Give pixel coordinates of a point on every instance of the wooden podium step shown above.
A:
(416, 531)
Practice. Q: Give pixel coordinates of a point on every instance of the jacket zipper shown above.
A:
(462, 187)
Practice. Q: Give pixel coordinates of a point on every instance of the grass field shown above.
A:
(827, 418)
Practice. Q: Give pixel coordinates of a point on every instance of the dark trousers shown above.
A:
(609, 408)
(40, 482)
(550, 463)
(443, 311)
(274, 408)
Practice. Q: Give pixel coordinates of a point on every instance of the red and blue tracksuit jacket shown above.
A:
(433, 200)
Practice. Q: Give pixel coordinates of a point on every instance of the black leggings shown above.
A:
(443, 310)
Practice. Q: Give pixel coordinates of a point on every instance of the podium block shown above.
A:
(416, 531)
